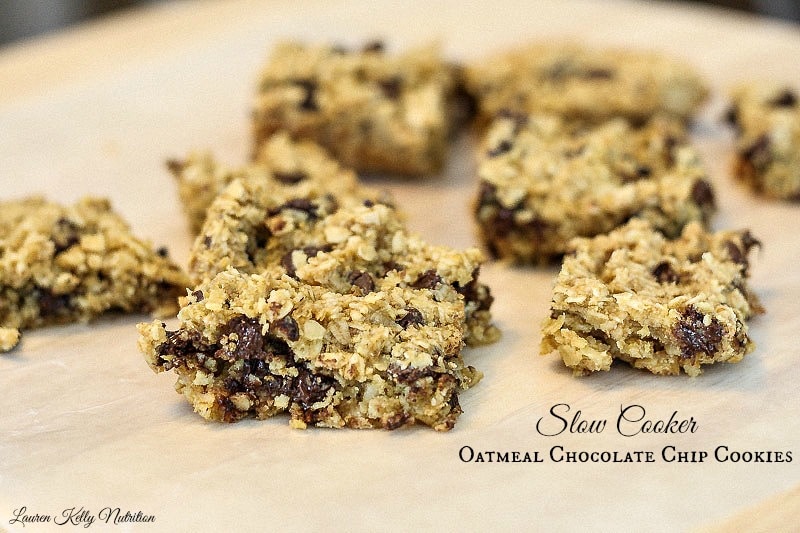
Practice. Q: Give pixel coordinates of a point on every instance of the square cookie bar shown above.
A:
(292, 169)
(374, 111)
(658, 304)
(584, 83)
(70, 264)
(357, 323)
(767, 121)
(545, 180)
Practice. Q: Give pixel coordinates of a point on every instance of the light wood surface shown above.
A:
(97, 109)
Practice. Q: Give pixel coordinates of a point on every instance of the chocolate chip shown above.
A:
(641, 172)
(310, 388)
(180, 345)
(288, 264)
(333, 203)
(574, 151)
(493, 250)
(312, 251)
(474, 292)
(298, 204)
(664, 274)
(428, 280)
(411, 374)
(487, 194)
(288, 327)
(735, 253)
(598, 74)
(397, 420)
(702, 193)
(670, 142)
(362, 280)
(413, 317)
(786, 98)
(748, 241)
(391, 87)
(207, 241)
(290, 178)
(65, 235)
(198, 296)
(388, 266)
(731, 116)
(175, 166)
(463, 104)
(303, 204)
(556, 72)
(739, 255)
(309, 102)
(249, 342)
(233, 385)
(375, 46)
(504, 146)
(758, 153)
(162, 251)
(52, 305)
(503, 222)
(694, 336)
(258, 241)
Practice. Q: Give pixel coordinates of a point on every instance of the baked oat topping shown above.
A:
(658, 304)
(767, 121)
(375, 112)
(299, 170)
(590, 84)
(350, 322)
(61, 264)
(545, 180)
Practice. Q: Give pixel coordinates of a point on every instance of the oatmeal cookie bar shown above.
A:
(545, 180)
(299, 169)
(767, 121)
(70, 264)
(251, 228)
(374, 111)
(356, 323)
(658, 304)
(584, 83)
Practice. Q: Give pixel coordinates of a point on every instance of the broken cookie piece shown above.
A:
(584, 83)
(376, 112)
(658, 304)
(545, 180)
(70, 264)
(767, 121)
(353, 322)
(252, 227)
(296, 169)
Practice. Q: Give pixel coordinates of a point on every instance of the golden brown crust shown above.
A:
(374, 111)
(767, 121)
(579, 82)
(661, 305)
(545, 180)
(66, 264)
(350, 322)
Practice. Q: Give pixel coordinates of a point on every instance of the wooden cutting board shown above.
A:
(87, 428)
